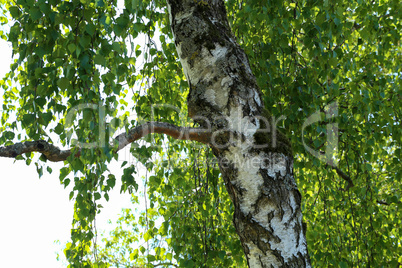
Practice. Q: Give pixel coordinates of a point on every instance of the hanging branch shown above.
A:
(345, 177)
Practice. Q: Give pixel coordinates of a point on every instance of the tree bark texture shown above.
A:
(255, 159)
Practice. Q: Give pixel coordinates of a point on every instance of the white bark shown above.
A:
(224, 95)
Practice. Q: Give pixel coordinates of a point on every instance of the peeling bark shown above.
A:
(256, 162)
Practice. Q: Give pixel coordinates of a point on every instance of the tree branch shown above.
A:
(345, 177)
(180, 133)
(383, 202)
(54, 154)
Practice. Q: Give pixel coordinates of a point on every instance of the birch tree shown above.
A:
(80, 95)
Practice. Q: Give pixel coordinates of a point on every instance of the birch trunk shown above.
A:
(254, 158)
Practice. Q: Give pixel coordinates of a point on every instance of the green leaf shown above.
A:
(71, 47)
(63, 83)
(134, 255)
(14, 11)
(9, 135)
(28, 119)
(147, 236)
(100, 60)
(116, 47)
(64, 171)
(100, 3)
(66, 182)
(35, 13)
(85, 41)
(90, 29)
(45, 8)
(59, 129)
(111, 182)
(169, 256)
(47, 118)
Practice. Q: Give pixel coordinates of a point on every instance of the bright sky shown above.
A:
(34, 213)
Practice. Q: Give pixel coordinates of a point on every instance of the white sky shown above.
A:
(34, 213)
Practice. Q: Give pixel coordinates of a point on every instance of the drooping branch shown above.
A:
(345, 177)
(55, 154)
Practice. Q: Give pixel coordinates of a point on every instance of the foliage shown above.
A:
(188, 222)
(305, 55)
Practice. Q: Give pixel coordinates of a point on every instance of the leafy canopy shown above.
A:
(120, 58)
